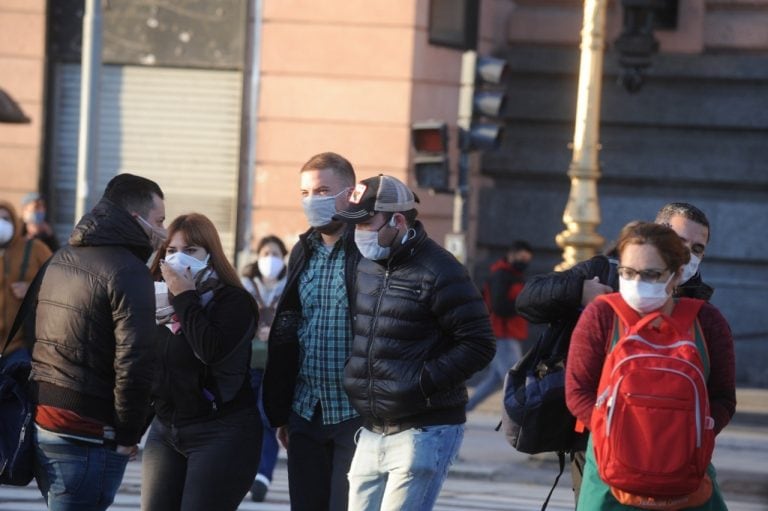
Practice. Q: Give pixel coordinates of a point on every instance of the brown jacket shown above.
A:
(12, 254)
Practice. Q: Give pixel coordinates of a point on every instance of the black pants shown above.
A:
(203, 466)
(319, 457)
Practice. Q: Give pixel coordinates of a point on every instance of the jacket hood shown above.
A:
(110, 224)
(14, 220)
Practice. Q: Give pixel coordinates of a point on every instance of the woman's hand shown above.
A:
(177, 282)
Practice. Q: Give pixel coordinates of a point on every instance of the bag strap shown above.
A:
(26, 307)
(561, 461)
(25, 258)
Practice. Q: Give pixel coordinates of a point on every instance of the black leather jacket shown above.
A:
(95, 320)
(421, 330)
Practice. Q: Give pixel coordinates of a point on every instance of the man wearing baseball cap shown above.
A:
(420, 331)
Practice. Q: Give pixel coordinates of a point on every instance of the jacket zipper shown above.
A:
(371, 338)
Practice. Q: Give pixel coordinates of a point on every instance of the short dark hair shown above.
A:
(520, 246)
(684, 210)
(336, 162)
(133, 193)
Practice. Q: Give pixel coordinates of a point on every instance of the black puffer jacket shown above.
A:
(94, 351)
(421, 330)
(556, 296)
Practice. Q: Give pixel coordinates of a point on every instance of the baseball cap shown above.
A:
(377, 194)
(30, 197)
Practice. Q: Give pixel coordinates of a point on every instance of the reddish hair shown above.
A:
(671, 248)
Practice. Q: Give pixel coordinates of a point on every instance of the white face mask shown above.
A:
(157, 235)
(6, 231)
(690, 269)
(270, 266)
(368, 244)
(180, 261)
(319, 210)
(644, 297)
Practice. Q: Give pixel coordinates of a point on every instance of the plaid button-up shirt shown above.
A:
(325, 335)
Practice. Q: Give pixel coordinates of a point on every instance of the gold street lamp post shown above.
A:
(579, 240)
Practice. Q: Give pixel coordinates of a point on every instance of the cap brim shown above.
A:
(353, 216)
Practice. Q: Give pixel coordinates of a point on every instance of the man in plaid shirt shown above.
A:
(310, 341)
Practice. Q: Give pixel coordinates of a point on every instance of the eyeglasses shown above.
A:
(649, 275)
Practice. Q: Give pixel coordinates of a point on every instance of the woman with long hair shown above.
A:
(203, 448)
(265, 280)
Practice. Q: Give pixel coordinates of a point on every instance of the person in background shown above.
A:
(502, 288)
(21, 259)
(94, 355)
(310, 341)
(203, 447)
(265, 280)
(33, 212)
(652, 261)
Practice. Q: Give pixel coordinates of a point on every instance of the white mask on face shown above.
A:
(644, 297)
(319, 209)
(6, 231)
(270, 266)
(690, 269)
(368, 244)
(180, 261)
(157, 235)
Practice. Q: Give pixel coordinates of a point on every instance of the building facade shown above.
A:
(221, 101)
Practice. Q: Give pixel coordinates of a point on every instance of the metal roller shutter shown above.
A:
(179, 127)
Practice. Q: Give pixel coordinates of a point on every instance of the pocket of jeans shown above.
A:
(66, 468)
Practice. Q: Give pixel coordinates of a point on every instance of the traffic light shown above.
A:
(430, 140)
(489, 97)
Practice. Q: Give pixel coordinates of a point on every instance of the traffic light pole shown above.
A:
(456, 242)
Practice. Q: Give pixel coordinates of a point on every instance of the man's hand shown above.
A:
(130, 450)
(282, 436)
(591, 289)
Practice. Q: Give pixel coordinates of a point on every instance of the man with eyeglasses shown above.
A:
(561, 296)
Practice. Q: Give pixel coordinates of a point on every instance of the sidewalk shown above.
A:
(741, 457)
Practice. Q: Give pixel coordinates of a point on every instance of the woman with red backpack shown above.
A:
(653, 379)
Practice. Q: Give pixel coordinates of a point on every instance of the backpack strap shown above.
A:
(685, 316)
(27, 307)
(625, 316)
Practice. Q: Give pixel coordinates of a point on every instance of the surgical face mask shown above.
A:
(690, 269)
(319, 209)
(6, 231)
(157, 236)
(368, 244)
(180, 261)
(34, 217)
(644, 297)
(270, 266)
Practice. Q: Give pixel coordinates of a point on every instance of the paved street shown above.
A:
(489, 475)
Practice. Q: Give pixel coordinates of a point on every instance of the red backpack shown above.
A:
(651, 427)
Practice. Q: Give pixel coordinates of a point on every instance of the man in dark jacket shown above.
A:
(561, 296)
(421, 330)
(93, 358)
(309, 342)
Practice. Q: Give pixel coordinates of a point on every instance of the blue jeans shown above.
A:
(508, 352)
(76, 476)
(403, 471)
(269, 445)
